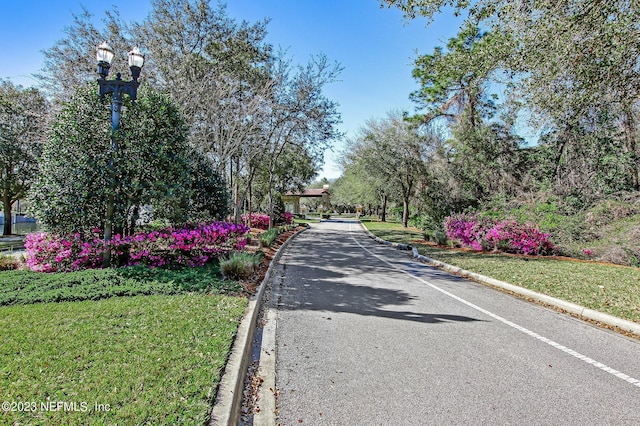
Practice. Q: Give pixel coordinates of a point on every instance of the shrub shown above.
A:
(239, 265)
(50, 252)
(267, 238)
(470, 230)
(287, 218)
(189, 245)
(8, 263)
(256, 220)
(261, 220)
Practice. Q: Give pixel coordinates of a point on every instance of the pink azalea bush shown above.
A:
(261, 220)
(469, 230)
(256, 220)
(190, 245)
(287, 218)
(50, 253)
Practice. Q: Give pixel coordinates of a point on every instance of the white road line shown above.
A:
(533, 334)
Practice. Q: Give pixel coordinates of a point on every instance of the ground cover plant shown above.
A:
(24, 287)
(612, 289)
(125, 360)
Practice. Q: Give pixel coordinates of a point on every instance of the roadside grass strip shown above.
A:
(122, 360)
(611, 289)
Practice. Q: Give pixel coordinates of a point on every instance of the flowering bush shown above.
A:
(257, 220)
(261, 220)
(469, 230)
(287, 218)
(50, 253)
(185, 246)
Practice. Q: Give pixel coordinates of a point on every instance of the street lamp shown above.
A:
(117, 87)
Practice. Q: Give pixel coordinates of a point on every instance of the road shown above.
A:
(364, 335)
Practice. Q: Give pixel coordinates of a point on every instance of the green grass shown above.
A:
(149, 359)
(607, 288)
(23, 287)
(152, 357)
(393, 231)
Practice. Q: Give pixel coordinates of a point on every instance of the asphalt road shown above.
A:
(364, 335)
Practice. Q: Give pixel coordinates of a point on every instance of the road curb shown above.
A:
(228, 402)
(581, 311)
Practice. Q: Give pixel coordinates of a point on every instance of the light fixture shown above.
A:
(104, 55)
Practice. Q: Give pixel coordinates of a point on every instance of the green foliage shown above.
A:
(25, 287)
(268, 237)
(76, 176)
(203, 198)
(454, 81)
(239, 265)
(22, 126)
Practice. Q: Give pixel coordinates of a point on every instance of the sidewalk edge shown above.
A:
(228, 402)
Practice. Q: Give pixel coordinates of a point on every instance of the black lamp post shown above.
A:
(117, 87)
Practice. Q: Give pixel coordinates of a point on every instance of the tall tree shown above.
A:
(215, 69)
(455, 81)
(301, 116)
(23, 118)
(572, 62)
(396, 152)
(71, 61)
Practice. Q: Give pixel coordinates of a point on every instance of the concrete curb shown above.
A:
(581, 311)
(228, 403)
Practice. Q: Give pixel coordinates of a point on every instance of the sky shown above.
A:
(375, 46)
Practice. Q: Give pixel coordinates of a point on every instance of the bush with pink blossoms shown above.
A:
(257, 220)
(287, 218)
(189, 245)
(469, 230)
(53, 253)
(261, 220)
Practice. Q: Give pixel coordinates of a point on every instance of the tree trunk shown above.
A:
(7, 215)
(383, 216)
(628, 125)
(405, 213)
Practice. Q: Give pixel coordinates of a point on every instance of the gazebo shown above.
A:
(292, 200)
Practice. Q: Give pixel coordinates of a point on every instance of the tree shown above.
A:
(71, 61)
(301, 117)
(74, 182)
(571, 63)
(215, 69)
(23, 118)
(395, 152)
(454, 82)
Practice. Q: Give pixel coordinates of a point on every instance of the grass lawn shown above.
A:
(607, 288)
(86, 355)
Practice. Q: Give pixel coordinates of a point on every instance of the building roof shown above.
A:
(311, 192)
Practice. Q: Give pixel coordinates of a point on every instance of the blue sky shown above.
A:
(375, 46)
